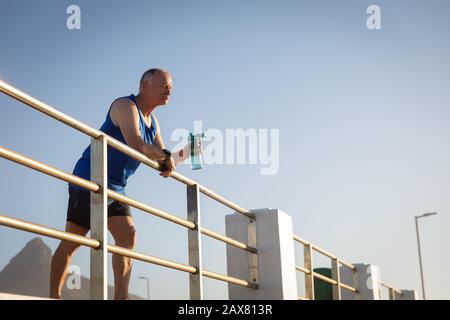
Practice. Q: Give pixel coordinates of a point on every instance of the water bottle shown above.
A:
(196, 156)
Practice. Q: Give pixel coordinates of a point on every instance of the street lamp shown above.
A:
(418, 246)
(148, 286)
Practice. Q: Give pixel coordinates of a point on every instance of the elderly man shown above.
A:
(131, 121)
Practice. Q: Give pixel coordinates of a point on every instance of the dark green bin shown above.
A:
(322, 289)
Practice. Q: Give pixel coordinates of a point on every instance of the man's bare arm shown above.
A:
(178, 156)
(170, 164)
(125, 116)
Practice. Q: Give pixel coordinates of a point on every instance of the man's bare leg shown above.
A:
(124, 233)
(61, 260)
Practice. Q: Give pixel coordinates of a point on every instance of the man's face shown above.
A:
(157, 90)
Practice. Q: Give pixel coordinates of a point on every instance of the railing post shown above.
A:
(253, 257)
(194, 239)
(355, 282)
(336, 276)
(308, 264)
(391, 294)
(99, 219)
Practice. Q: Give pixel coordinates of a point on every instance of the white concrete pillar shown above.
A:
(276, 256)
(366, 278)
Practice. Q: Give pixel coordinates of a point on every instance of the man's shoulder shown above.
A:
(120, 107)
(122, 101)
(123, 104)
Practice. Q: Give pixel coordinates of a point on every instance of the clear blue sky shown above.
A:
(364, 120)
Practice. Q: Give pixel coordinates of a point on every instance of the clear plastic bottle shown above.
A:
(196, 156)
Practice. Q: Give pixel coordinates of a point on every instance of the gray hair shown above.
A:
(150, 72)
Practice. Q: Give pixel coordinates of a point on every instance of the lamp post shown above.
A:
(418, 247)
(148, 286)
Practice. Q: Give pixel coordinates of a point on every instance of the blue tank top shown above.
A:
(120, 166)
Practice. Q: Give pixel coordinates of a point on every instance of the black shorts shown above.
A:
(79, 208)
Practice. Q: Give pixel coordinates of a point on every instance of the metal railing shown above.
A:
(393, 292)
(335, 281)
(98, 240)
(310, 274)
(95, 244)
(99, 195)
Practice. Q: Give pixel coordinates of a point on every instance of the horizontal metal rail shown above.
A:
(304, 270)
(144, 207)
(49, 232)
(222, 200)
(384, 284)
(89, 242)
(322, 251)
(44, 168)
(349, 288)
(228, 240)
(66, 119)
(85, 241)
(91, 186)
(298, 239)
(147, 258)
(326, 279)
(185, 223)
(334, 282)
(229, 279)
